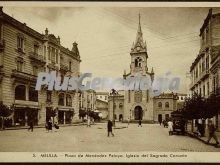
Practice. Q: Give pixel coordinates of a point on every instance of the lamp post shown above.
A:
(113, 93)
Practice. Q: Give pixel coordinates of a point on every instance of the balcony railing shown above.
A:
(21, 76)
(64, 67)
(202, 76)
(37, 58)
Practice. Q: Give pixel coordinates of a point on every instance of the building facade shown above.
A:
(205, 70)
(87, 100)
(138, 104)
(164, 104)
(102, 103)
(24, 53)
(118, 110)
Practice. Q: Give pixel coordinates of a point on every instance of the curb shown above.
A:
(204, 141)
(40, 126)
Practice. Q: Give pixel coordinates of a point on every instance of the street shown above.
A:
(150, 137)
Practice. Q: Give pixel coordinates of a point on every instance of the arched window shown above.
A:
(160, 105)
(61, 99)
(20, 92)
(138, 62)
(68, 100)
(33, 94)
(167, 105)
(121, 105)
(114, 105)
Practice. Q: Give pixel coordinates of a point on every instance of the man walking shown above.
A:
(139, 123)
(88, 122)
(170, 127)
(31, 125)
(109, 127)
(212, 134)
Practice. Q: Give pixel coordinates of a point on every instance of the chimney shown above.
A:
(46, 31)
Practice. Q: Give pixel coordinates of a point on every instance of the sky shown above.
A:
(105, 35)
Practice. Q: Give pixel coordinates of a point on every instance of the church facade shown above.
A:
(137, 104)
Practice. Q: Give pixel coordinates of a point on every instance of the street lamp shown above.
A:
(113, 93)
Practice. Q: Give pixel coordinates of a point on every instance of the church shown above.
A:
(134, 104)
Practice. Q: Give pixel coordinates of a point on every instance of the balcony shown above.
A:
(63, 68)
(200, 78)
(2, 45)
(23, 77)
(37, 59)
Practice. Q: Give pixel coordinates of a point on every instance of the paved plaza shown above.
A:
(150, 137)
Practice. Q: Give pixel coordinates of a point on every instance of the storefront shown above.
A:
(23, 116)
(65, 115)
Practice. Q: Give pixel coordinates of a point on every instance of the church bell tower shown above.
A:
(139, 53)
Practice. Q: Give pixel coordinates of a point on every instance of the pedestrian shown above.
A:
(31, 125)
(170, 127)
(49, 125)
(139, 123)
(109, 127)
(212, 134)
(160, 121)
(128, 121)
(89, 122)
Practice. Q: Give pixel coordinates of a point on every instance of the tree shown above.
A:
(212, 107)
(5, 111)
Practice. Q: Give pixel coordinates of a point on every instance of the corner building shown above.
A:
(23, 54)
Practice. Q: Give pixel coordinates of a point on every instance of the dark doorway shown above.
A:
(138, 113)
(61, 117)
(159, 118)
(120, 117)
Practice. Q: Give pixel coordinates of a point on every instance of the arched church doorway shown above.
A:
(138, 113)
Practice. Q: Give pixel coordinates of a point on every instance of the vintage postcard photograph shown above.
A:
(99, 82)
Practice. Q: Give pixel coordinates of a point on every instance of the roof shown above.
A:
(35, 34)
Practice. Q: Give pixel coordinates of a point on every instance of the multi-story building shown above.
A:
(164, 104)
(205, 70)
(24, 53)
(118, 110)
(88, 100)
(102, 103)
(102, 96)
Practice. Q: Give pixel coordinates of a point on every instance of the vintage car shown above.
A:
(179, 123)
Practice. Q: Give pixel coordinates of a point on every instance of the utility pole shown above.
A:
(113, 93)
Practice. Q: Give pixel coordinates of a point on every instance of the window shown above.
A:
(138, 62)
(181, 98)
(53, 55)
(160, 105)
(49, 96)
(19, 66)
(56, 56)
(20, 92)
(61, 99)
(33, 94)
(68, 100)
(121, 105)
(36, 47)
(114, 105)
(147, 95)
(129, 96)
(49, 53)
(167, 105)
(20, 43)
(70, 63)
(45, 49)
(35, 70)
